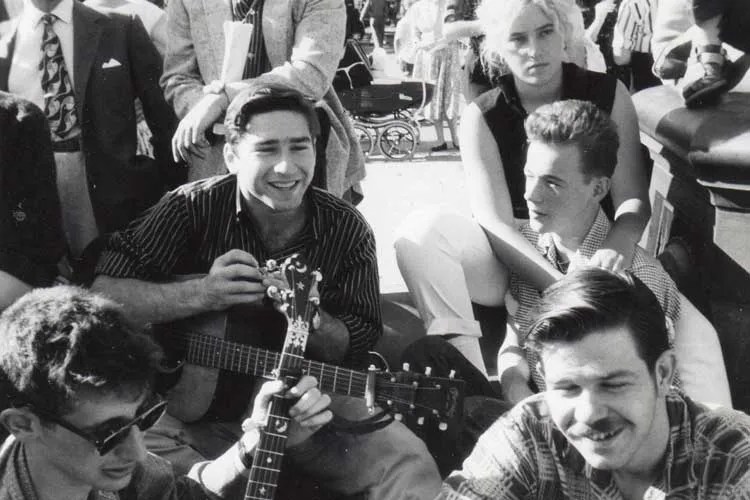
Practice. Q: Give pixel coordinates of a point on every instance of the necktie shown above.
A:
(59, 97)
(251, 11)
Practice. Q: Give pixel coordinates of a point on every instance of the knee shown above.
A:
(423, 232)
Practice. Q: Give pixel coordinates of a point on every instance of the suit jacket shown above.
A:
(31, 238)
(304, 41)
(120, 184)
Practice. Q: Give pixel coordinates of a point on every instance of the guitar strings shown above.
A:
(249, 355)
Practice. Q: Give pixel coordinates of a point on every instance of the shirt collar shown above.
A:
(593, 241)
(313, 224)
(63, 11)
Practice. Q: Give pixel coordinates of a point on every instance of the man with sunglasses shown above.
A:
(77, 383)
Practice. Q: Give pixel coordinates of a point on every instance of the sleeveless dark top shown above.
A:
(504, 115)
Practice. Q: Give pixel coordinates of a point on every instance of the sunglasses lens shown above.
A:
(144, 421)
(113, 440)
(148, 419)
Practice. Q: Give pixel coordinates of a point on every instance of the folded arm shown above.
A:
(629, 189)
(491, 205)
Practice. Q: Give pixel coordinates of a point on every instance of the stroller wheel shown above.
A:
(398, 141)
(365, 139)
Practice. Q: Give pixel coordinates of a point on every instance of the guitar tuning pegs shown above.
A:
(443, 426)
(420, 421)
(398, 417)
(428, 371)
(452, 374)
(405, 366)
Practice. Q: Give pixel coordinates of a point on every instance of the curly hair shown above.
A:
(60, 342)
(497, 16)
(580, 123)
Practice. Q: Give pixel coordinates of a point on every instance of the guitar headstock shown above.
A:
(425, 399)
(298, 300)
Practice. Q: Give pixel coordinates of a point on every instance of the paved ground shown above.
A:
(394, 189)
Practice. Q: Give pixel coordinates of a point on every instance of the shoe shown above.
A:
(440, 147)
(706, 89)
(671, 64)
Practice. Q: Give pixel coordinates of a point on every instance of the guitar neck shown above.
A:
(269, 454)
(214, 352)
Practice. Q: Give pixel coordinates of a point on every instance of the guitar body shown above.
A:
(193, 394)
(190, 398)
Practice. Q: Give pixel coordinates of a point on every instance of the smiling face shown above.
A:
(602, 396)
(274, 161)
(74, 460)
(533, 49)
(560, 198)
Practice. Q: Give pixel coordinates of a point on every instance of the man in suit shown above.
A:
(31, 239)
(95, 66)
(300, 44)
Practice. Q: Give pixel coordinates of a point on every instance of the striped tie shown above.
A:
(251, 11)
(59, 97)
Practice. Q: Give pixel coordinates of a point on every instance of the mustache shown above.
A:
(603, 426)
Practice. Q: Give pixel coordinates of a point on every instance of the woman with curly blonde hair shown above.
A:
(533, 48)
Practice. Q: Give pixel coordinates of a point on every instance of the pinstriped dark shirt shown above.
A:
(193, 225)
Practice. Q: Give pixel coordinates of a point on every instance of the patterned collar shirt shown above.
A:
(523, 297)
(524, 456)
(25, 75)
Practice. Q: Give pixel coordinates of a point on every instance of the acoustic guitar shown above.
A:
(201, 352)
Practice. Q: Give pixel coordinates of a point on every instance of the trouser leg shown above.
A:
(446, 262)
(390, 463)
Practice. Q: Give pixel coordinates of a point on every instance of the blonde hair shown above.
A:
(497, 16)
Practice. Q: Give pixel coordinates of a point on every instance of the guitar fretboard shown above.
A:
(213, 352)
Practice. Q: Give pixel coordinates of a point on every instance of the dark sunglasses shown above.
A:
(105, 441)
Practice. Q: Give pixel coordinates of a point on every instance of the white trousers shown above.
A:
(447, 263)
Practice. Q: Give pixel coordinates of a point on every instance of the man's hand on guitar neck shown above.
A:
(224, 475)
(308, 414)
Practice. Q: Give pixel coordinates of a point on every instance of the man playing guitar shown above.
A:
(223, 227)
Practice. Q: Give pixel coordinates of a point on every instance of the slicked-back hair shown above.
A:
(593, 300)
(266, 99)
(64, 342)
(580, 123)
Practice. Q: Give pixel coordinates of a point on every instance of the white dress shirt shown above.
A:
(24, 68)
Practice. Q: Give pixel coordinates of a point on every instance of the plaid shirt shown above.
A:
(524, 297)
(524, 456)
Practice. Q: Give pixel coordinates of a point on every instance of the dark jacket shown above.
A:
(115, 62)
(31, 239)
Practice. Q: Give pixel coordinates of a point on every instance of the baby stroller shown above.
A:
(383, 114)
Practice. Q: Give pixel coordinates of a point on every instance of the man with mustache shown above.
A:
(77, 384)
(610, 425)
